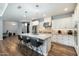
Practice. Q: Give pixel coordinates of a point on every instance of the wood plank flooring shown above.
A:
(61, 50)
(11, 47)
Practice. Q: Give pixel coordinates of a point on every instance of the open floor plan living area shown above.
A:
(39, 29)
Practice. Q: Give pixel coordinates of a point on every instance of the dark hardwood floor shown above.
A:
(11, 47)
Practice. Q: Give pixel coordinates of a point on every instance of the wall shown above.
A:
(19, 28)
(10, 26)
(1, 28)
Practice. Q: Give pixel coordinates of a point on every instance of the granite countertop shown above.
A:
(41, 36)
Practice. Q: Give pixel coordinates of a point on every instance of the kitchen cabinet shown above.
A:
(63, 39)
(76, 12)
(77, 40)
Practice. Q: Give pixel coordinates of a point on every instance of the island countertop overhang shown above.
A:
(41, 36)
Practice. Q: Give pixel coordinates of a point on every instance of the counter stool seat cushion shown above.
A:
(25, 39)
(36, 43)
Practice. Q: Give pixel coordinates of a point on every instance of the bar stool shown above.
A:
(20, 41)
(14, 34)
(26, 40)
(35, 42)
(20, 38)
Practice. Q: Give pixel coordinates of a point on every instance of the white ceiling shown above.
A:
(2, 8)
(44, 9)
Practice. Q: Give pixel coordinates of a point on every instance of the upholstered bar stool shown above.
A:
(26, 40)
(20, 40)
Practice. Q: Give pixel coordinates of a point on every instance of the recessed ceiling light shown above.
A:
(19, 7)
(37, 5)
(25, 11)
(65, 9)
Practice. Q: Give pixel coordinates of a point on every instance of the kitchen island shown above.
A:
(46, 38)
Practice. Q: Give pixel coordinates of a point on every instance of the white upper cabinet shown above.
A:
(76, 11)
(35, 22)
(62, 23)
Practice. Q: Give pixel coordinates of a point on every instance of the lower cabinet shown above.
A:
(63, 39)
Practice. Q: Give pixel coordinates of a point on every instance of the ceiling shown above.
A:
(2, 8)
(28, 11)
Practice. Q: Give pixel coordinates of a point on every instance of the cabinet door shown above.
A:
(70, 40)
(78, 35)
(53, 38)
(65, 40)
(60, 39)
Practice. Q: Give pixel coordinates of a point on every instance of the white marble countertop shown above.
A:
(46, 44)
(41, 36)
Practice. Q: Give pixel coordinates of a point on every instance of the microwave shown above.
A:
(47, 24)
